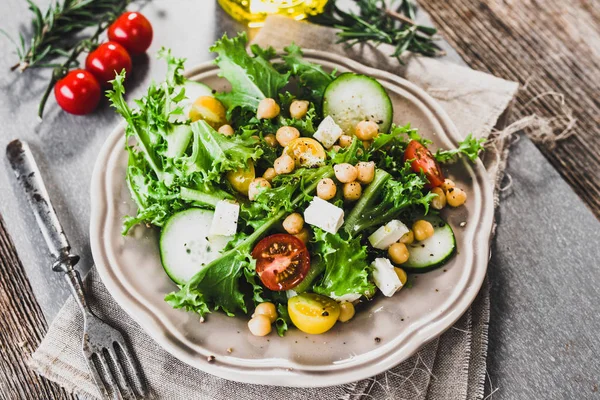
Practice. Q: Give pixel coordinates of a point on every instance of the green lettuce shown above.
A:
(346, 269)
(252, 78)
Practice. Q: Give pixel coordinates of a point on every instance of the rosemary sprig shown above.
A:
(379, 22)
(57, 31)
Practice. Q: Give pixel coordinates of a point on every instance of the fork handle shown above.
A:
(28, 174)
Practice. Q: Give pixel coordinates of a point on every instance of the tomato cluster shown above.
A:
(80, 90)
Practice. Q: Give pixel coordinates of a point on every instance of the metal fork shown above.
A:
(110, 362)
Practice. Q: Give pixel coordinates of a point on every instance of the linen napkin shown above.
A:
(450, 367)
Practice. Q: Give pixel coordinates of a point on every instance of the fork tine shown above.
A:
(136, 377)
(121, 376)
(96, 376)
(109, 377)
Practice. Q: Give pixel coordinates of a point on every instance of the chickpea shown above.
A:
(260, 325)
(408, 237)
(304, 235)
(326, 189)
(398, 253)
(422, 230)
(267, 309)
(270, 174)
(336, 148)
(438, 202)
(226, 130)
(367, 144)
(366, 172)
(284, 164)
(293, 223)
(366, 130)
(352, 191)
(346, 312)
(345, 140)
(345, 172)
(267, 109)
(257, 186)
(286, 134)
(456, 197)
(299, 108)
(401, 275)
(448, 184)
(271, 140)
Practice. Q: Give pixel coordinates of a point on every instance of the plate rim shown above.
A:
(296, 377)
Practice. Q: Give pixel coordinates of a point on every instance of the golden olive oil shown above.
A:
(254, 12)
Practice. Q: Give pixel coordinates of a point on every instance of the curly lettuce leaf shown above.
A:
(470, 148)
(215, 154)
(312, 80)
(252, 78)
(346, 266)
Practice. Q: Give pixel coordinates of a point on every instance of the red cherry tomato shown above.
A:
(282, 261)
(78, 93)
(424, 161)
(108, 59)
(133, 31)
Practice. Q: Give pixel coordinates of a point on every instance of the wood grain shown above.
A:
(547, 46)
(23, 327)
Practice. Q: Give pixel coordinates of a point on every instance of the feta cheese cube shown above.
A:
(328, 132)
(388, 234)
(225, 220)
(385, 277)
(324, 215)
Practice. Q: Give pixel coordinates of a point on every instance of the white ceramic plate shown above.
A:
(131, 270)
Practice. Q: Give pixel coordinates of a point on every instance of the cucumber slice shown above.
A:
(351, 98)
(434, 252)
(185, 246)
(193, 90)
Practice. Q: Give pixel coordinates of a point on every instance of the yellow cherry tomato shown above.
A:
(306, 152)
(240, 179)
(313, 313)
(209, 109)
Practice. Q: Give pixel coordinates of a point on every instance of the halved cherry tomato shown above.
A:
(306, 152)
(78, 93)
(133, 31)
(313, 313)
(108, 59)
(282, 261)
(424, 161)
(241, 178)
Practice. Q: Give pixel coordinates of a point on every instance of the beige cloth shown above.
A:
(450, 367)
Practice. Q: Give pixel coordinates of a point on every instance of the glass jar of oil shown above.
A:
(254, 12)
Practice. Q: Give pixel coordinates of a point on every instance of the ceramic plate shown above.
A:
(131, 270)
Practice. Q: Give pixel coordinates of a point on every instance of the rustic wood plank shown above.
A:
(23, 327)
(548, 46)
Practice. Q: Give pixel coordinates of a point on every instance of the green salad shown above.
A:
(289, 198)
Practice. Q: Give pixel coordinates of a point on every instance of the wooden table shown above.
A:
(544, 337)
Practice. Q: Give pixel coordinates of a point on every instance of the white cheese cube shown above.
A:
(348, 297)
(290, 293)
(324, 215)
(328, 132)
(225, 220)
(388, 234)
(385, 277)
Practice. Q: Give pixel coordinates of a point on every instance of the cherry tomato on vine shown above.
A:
(108, 59)
(424, 161)
(133, 31)
(78, 92)
(282, 261)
